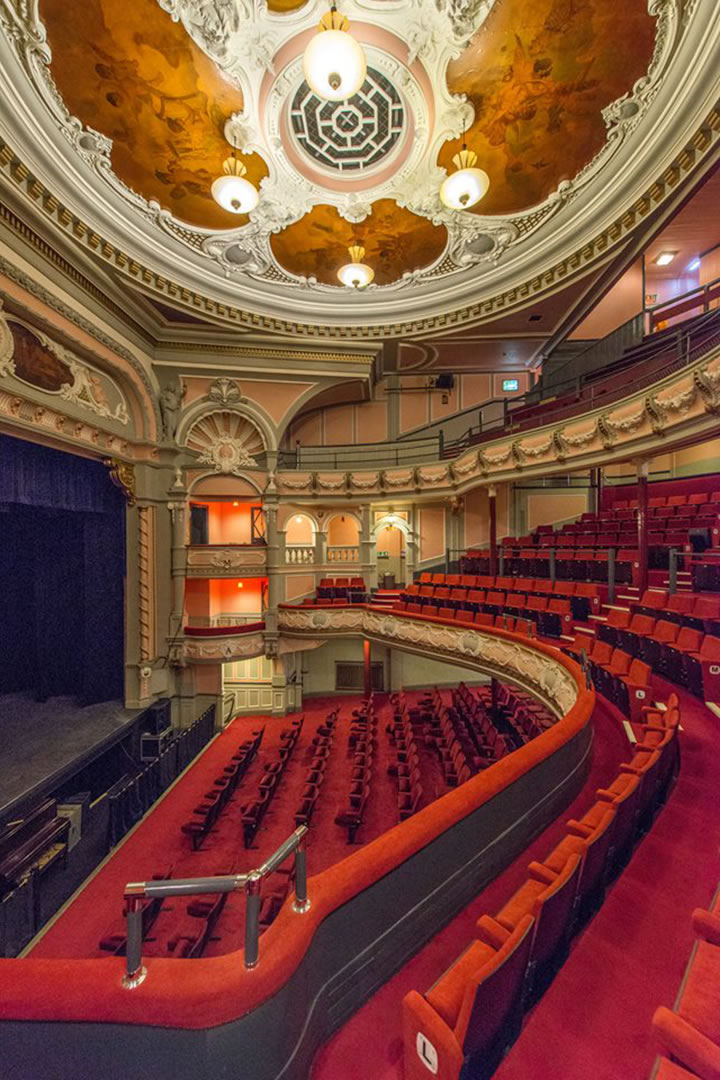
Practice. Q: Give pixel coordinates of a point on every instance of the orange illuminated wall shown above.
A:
(299, 530)
(206, 599)
(392, 540)
(227, 599)
(229, 524)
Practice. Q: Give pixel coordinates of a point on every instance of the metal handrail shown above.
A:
(250, 883)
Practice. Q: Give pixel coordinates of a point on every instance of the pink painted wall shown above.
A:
(432, 533)
(710, 270)
(414, 403)
(619, 304)
(477, 516)
(339, 425)
(343, 532)
(299, 585)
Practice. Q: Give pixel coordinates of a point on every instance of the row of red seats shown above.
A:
(553, 617)
(688, 1036)
(465, 1023)
(585, 597)
(406, 766)
(579, 565)
(682, 654)
(254, 811)
(322, 747)
(451, 742)
(352, 589)
(362, 742)
(215, 800)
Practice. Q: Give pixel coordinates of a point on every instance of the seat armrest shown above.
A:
(605, 796)
(491, 932)
(578, 828)
(541, 873)
(678, 1039)
(706, 925)
(419, 1018)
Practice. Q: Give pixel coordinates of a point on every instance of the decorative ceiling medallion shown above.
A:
(353, 135)
(226, 441)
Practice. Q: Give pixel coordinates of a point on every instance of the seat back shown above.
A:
(553, 911)
(495, 992)
(596, 854)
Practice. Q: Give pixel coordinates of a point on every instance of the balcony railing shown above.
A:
(343, 555)
(299, 556)
(225, 560)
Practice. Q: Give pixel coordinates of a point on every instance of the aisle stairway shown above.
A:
(385, 597)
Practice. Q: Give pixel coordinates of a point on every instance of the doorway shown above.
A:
(391, 553)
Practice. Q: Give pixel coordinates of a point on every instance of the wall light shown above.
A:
(298, 519)
(694, 265)
(664, 258)
(236, 504)
(240, 585)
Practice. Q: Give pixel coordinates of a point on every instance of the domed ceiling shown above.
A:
(149, 94)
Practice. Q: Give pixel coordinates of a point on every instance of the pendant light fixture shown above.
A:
(334, 63)
(232, 191)
(465, 187)
(356, 274)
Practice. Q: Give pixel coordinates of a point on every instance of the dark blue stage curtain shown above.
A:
(62, 567)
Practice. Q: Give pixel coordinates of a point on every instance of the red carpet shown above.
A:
(594, 1021)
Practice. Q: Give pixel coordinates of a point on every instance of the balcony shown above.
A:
(226, 560)
(306, 555)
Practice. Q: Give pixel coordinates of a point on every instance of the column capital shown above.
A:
(492, 491)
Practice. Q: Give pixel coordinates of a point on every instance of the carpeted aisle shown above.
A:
(594, 1021)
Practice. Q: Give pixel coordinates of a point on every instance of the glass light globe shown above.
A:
(235, 194)
(356, 275)
(334, 63)
(464, 188)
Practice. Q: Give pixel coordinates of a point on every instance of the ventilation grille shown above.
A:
(349, 676)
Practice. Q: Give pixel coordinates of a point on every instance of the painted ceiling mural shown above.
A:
(537, 75)
(151, 97)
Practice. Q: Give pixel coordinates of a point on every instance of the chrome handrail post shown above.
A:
(134, 971)
(253, 886)
(302, 900)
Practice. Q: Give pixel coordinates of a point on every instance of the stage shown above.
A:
(45, 743)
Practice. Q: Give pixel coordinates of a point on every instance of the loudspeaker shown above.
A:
(158, 717)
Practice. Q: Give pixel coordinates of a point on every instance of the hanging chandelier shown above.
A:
(334, 63)
(232, 191)
(356, 274)
(467, 185)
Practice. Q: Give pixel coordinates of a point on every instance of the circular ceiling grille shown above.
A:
(352, 135)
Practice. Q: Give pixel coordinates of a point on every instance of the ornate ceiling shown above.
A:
(571, 105)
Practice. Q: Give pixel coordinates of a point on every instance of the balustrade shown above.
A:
(343, 554)
(299, 556)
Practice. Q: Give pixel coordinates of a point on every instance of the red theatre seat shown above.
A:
(471, 1014)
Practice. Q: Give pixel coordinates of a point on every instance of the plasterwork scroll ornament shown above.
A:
(226, 441)
(123, 476)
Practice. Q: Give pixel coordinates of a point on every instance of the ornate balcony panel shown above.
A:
(494, 652)
(212, 647)
(226, 560)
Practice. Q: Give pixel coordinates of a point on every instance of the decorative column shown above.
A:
(320, 555)
(368, 550)
(411, 545)
(492, 513)
(273, 569)
(367, 669)
(179, 516)
(642, 524)
(146, 598)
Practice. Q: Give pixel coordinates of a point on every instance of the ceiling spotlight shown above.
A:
(232, 191)
(356, 274)
(665, 258)
(465, 187)
(334, 64)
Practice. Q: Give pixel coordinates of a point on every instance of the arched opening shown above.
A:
(390, 542)
(343, 539)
